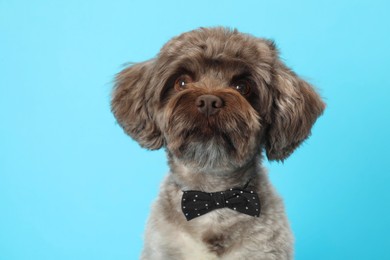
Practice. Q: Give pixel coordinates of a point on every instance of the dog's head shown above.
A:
(215, 98)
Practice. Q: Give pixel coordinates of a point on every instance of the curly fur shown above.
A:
(214, 153)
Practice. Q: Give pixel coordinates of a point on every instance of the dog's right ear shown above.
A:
(132, 106)
(297, 106)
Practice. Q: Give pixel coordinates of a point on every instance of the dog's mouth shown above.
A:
(229, 135)
(206, 133)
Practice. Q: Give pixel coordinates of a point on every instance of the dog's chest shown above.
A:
(195, 249)
(212, 235)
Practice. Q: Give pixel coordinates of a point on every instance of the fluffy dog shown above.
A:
(216, 99)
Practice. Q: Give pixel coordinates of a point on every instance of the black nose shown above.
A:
(209, 104)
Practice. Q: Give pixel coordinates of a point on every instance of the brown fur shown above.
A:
(219, 151)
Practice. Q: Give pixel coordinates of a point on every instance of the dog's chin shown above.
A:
(208, 150)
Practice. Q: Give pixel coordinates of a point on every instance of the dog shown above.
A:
(216, 100)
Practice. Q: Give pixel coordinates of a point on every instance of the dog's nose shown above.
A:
(209, 104)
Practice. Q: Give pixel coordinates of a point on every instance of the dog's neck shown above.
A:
(213, 180)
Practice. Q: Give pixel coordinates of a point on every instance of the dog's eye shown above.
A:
(243, 87)
(182, 82)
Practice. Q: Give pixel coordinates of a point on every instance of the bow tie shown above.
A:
(198, 203)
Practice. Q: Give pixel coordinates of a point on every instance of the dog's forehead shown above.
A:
(219, 44)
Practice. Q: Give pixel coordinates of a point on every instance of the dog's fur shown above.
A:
(220, 151)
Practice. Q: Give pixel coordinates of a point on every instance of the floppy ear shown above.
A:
(131, 105)
(296, 108)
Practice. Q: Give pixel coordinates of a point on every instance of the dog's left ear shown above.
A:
(132, 104)
(296, 108)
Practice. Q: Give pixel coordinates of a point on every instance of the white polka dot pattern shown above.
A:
(198, 203)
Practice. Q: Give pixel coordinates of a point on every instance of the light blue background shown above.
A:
(74, 186)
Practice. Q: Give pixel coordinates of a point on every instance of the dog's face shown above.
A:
(215, 98)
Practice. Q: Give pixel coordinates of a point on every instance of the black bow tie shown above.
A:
(198, 203)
